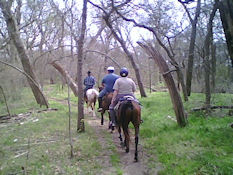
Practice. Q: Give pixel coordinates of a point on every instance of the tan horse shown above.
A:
(91, 97)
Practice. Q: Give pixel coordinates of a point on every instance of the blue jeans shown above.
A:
(102, 93)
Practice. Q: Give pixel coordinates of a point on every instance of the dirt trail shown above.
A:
(127, 163)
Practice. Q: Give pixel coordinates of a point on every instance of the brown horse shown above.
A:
(129, 111)
(106, 101)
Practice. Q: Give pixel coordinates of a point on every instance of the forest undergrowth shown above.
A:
(41, 145)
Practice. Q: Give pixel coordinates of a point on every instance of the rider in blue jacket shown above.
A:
(89, 82)
(108, 82)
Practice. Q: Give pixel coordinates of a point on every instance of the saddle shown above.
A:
(125, 98)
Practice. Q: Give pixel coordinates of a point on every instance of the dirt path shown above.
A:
(127, 163)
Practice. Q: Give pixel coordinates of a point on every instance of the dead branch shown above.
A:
(21, 154)
(70, 136)
(5, 117)
(212, 107)
(113, 60)
(26, 164)
(21, 71)
(172, 118)
(173, 70)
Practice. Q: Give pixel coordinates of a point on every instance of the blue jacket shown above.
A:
(89, 81)
(109, 81)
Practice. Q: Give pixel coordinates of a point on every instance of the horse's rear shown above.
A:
(105, 105)
(106, 101)
(91, 98)
(129, 111)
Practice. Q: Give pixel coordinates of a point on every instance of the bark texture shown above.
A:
(206, 56)
(189, 72)
(226, 14)
(80, 43)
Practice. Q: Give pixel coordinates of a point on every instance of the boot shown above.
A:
(100, 104)
(113, 117)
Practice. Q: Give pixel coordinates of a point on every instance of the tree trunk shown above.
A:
(226, 14)
(80, 43)
(213, 65)
(8, 111)
(129, 55)
(67, 77)
(181, 81)
(15, 36)
(149, 73)
(174, 94)
(189, 71)
(206, 55)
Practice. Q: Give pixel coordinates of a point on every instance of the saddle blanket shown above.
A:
(125, 98)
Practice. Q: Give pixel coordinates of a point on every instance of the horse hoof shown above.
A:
(136, 159)
(127, 150)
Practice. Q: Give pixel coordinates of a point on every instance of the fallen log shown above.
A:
(7, 117)
(212, 107)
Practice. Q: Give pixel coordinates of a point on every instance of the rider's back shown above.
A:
(125, 85)
(109, 81)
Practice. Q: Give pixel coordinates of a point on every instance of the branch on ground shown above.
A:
(212, 107)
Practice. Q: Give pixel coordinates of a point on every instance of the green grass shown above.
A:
(23, 102)
(204, 146)
(49, 150)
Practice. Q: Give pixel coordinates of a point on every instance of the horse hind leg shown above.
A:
(120, 136)
(136, 143)
(126, 133)
(102, 118)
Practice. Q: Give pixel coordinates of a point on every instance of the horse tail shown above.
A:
(125, 106)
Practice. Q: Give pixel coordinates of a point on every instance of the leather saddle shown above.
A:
(125, 98)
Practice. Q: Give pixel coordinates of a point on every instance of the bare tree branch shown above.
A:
(18, 69)
(119, 66)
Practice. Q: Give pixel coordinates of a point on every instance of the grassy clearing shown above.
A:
(41, 146)
(203, 147)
